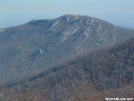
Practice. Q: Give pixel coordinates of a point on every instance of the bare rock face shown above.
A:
(39, 44)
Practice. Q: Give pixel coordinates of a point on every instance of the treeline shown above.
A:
(75, 92)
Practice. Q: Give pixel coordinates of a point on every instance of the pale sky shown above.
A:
(17, 12)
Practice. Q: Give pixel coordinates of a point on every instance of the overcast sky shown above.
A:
(17, 12)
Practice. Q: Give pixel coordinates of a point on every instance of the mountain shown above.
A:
(39, 44)
(107, 72)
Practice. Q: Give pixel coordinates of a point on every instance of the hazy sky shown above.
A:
(16, 12)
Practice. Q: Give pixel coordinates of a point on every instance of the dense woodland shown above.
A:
(108, 72)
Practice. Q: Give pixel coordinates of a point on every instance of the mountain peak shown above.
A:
(69, 17)
(82, 18)
(66, 18)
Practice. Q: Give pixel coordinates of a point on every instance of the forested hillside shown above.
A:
(108, 72)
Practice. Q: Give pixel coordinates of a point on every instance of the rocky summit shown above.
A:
(39, 44)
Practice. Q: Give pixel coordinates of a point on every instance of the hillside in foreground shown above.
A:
(108, 72)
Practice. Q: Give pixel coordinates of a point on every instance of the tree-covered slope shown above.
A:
(110, 69)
